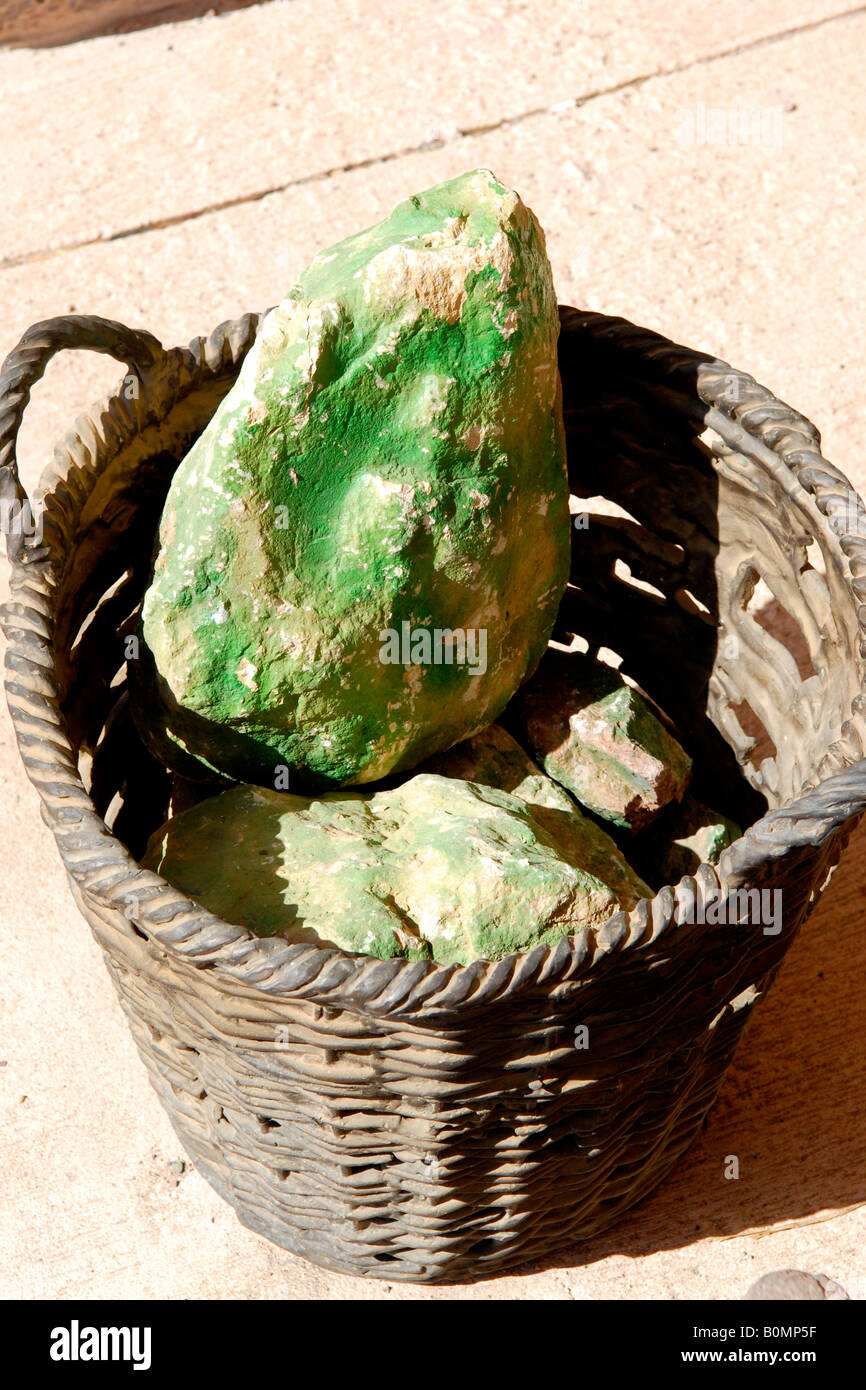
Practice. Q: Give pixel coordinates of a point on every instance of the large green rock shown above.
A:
(600, 739)
(386, 476)
(435, 868)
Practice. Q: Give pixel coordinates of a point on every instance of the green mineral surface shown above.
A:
(495, 759)
(695, 835)
(435, 868)
(361, 558)
(600, 739)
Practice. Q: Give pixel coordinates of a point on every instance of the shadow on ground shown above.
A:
(53, 23)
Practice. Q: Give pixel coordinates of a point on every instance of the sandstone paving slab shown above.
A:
(182, 117)
(748, 251)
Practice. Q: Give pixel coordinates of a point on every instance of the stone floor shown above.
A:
(180, 175)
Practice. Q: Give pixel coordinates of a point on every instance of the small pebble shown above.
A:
(794, 1285)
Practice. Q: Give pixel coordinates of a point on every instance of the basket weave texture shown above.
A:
(403, 1120)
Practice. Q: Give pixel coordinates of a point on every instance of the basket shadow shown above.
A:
(242, 876)
(795, 1123)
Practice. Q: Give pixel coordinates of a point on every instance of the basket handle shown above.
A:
(21, 370)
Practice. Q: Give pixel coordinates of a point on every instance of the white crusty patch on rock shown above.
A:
(434, 275)
(246, 673)
(431, 396)
(475, 436)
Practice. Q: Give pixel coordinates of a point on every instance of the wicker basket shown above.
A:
(403, 1120)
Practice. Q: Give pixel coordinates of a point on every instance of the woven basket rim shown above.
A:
(757, 423)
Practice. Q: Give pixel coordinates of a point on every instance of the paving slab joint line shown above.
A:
(428, 146)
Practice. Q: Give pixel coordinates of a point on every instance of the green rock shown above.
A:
(696, 835)
(435, 868)
(600, 739)
(494, 758)
(361, 558)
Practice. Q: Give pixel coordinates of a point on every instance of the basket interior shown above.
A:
(711, 572)
(700, 571)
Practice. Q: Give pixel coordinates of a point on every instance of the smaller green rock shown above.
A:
(437, 867)
(493, 758)
(696, 835)
(600, 739)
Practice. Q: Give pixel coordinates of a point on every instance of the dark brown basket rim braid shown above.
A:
(757, 425)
